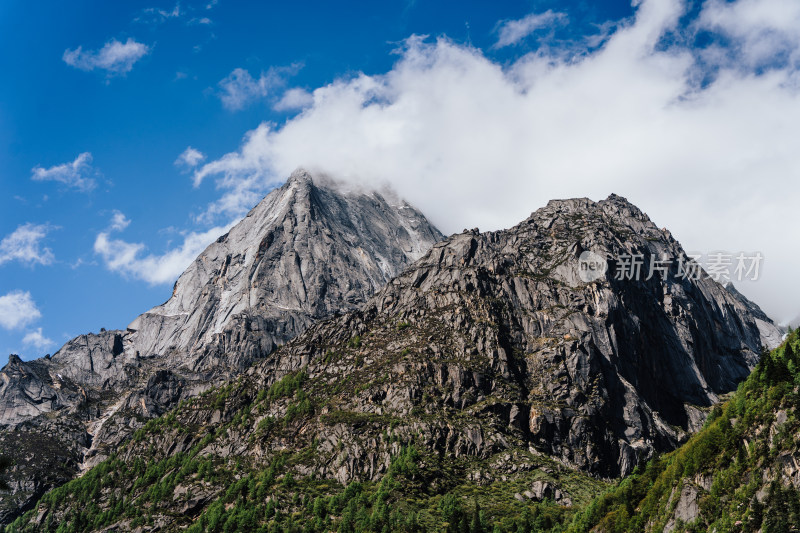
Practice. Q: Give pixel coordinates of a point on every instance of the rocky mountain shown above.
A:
(309, 249)
(599, 374)
(303, 253)
(496, 367)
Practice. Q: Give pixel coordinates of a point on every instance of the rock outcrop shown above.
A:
(771, 335)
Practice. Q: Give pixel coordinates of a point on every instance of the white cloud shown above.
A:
(115, 57)
(17, 309)
(513, 31)
(190, 158)
(154, 15)
(119, 221)
(37, 340)
(765, 32)
(245, 175)
(476, 143)
(75, 174)
(239, 89)
(294, 99)
(24, 245)
(130, 259)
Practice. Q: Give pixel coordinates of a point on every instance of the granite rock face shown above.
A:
(599, 375)
(770, 334)
(298, 256)
(308, 250)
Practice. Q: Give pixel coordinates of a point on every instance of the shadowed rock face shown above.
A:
(308, 250)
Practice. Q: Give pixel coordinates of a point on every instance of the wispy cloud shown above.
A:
(114, 58)
(156, 15)
(37, 340)
(119, 221)
(24, 245)
(190, 158)
(131, 260)
(244, 175)
(75, 174)
(17, 310)
(764, 32)
(239, 89)
(513, 31)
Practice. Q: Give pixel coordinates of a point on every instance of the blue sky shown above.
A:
(132, 134)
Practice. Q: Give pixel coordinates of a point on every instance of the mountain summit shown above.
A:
(309, 249)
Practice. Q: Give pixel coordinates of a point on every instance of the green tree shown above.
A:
(789, 355)
(475, 525)
(776, 519)
(756, 515)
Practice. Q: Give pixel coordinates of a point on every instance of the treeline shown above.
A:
(749, 435)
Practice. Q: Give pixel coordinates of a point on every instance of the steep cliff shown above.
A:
(740, 473)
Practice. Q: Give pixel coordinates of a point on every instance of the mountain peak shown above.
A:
(600, 373)
(300, 174)
(614, 197)
(308, 250)
(300, 177)
(290, 256)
